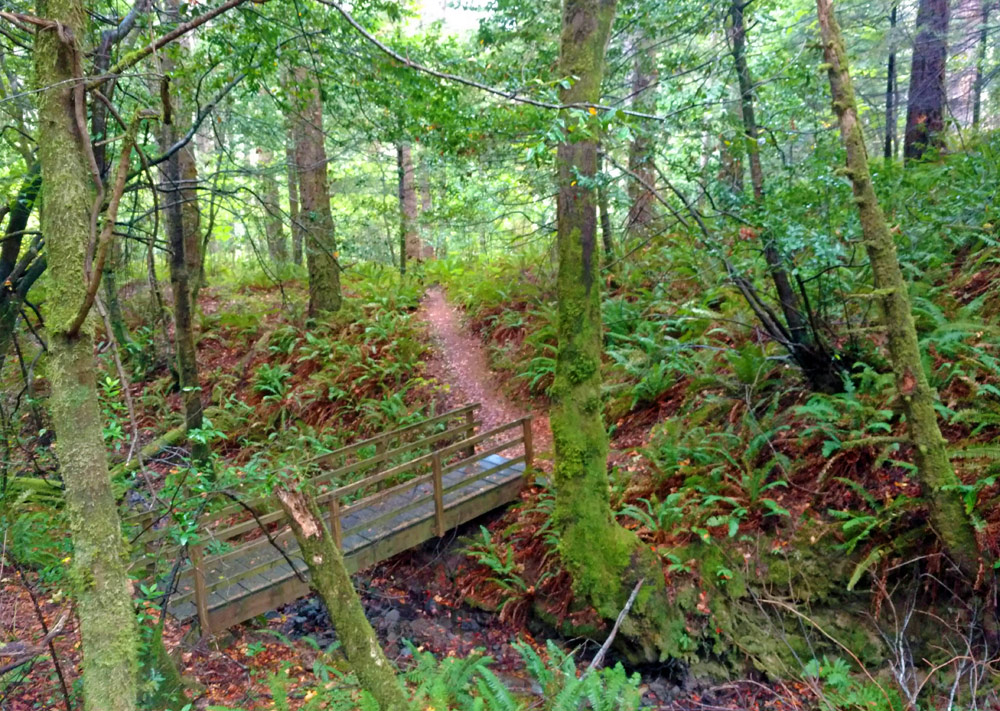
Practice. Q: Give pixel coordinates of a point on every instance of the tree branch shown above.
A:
(104, 241)
(509, 95)
(138, 55)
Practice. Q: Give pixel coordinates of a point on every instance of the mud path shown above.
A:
(459, 360)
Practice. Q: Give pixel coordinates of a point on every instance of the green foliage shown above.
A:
(114, 411)
(272, 381)
(842, 691)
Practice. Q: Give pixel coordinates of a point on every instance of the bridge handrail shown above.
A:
(148, 518)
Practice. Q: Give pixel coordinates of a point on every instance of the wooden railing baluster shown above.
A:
(438, 495)
(470, 430)
(200, 590)
(529, 444)
(335, 527)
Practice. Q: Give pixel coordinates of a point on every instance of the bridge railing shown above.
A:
(247, 516)
(441, 463)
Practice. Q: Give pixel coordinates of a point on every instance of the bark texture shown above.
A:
(314, 195)
(930, 453)
(604, 559)
(330, 579)
(98, 576)
(925, 107)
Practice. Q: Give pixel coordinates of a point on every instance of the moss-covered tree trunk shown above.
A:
(329, 577)
(314, 195)
(930, 451)
(926, 104)
(99, 578)
(604, 559)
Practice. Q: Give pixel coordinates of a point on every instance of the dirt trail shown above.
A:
(459, 359)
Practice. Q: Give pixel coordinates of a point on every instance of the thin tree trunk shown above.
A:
(99, 577)
(890, 89)
(645, 75)
(274, 230)
(293, 203)
(425, 187)
(191, 218)
(816, 362)
(180, 283)
(607, 234)
(604, 559)
(114, 262)
(409, 237)
(966, 24)
(925, 107)
(977, 97)
(329, 577)
(183, 226)
(314, 197)
(930, 452)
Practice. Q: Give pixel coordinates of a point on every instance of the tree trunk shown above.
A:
(329, 577)
(314, 197)
(977, 97)
(12, 297)
(101, 584)
(114, 261)
(293, 203)
(604, 559)
(182, 222)
(274, 230)
(934, 470)
(925, 108)
(888, 150)
(180, 283)
(645, 75)
(409, 237)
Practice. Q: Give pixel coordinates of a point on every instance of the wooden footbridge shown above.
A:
(381, 496)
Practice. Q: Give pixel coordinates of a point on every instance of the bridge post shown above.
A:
(470, 431)
(338, 534)
(200, 590)
(438, 494)
(529, 444)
